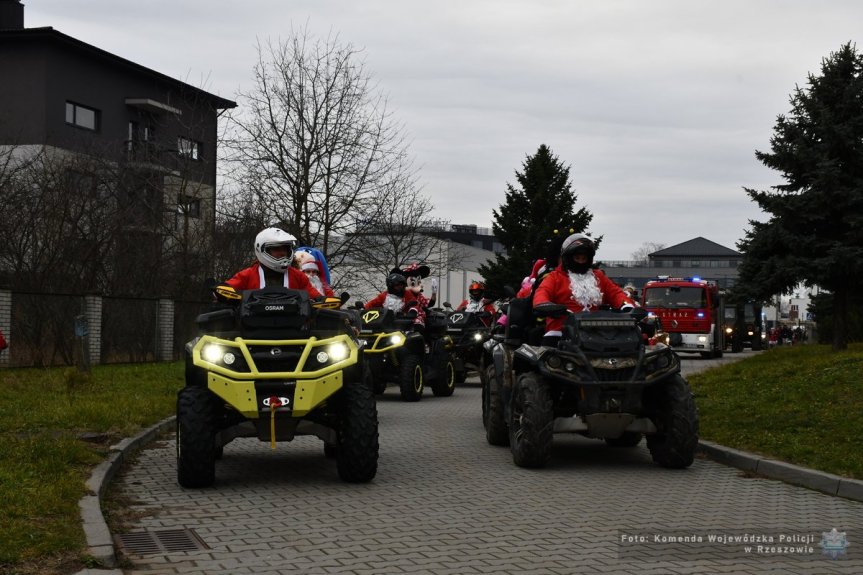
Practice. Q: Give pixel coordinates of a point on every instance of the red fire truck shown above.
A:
(691, 311)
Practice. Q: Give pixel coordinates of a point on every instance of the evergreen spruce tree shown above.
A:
(543, 202)
(815, 232)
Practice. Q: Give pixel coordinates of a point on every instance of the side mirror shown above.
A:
(345, 296)
(447, 305)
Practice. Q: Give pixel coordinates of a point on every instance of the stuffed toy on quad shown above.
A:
(610, 377)
(272, 364)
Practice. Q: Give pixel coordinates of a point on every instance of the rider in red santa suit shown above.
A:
(307, 264)
(274, 250)
(476, 303)
(399, 299)
(576, 285)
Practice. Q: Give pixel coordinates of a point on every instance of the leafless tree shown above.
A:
(402, 233)
(314, 142)
(647, 248)
(56, 226)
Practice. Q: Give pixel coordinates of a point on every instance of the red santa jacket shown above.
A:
(591, 290)
(252, 277)
(378, 301)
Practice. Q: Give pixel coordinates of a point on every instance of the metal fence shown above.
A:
(67, 329)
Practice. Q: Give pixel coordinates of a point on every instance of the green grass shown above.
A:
(800, 404)
(44, 462)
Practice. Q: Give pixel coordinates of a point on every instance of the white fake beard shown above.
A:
(316, 283)
(473, 306)
(394, 303)
(585, 289)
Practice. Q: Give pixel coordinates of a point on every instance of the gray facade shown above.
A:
(60, 93)
(698, 257)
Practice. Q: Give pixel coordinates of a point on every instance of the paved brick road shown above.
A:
(444, 501)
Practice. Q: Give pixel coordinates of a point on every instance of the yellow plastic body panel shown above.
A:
(308, 393)
(238, 394)
(237, 388)
(311, 393)
(380, 342)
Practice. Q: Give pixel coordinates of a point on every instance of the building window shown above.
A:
(189, 148)
(82, 116)
(188, 206)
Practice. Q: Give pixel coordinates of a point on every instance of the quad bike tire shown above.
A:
(411, 378)
(674, 444)
(378, 384)
(496, 432)
(531, 425)
(357, 451)
(444, 383)
(627, 439)
(196, 436)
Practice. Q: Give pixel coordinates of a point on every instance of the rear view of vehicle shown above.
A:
(692, 311)
(275, 367)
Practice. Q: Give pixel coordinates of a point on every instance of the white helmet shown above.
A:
(270, 238)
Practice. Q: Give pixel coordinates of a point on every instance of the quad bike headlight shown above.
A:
(396, 339)
(334, 352)
(212, 353)
(215, 354)
(477, 336)
(728, 330)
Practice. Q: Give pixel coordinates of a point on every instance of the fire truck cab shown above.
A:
(691, 311)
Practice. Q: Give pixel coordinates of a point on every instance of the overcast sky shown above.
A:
(657, 106)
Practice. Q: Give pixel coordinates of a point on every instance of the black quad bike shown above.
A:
(608, 378)
(468, 332)
(271, 364)
(397, 354)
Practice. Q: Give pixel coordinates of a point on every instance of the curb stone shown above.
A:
(787, 472)
(100, 543)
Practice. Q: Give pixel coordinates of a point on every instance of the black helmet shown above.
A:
(577, 244)
(393, 280)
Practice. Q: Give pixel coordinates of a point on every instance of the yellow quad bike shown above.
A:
(272, 364)
(396, 354)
